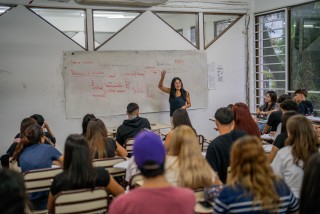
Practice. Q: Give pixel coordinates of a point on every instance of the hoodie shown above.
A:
(305, 107)
(130, 128)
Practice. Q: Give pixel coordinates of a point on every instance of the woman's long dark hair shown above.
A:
(181, 117)
(32, 135)
(173, 89)
(273, 96)
(85, 122)
(310, 191)
(13, 195)
(77, 165)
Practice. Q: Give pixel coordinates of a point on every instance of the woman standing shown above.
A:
(78, 171)
(179, 98)
(252, 187)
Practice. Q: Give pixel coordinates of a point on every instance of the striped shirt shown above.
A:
(236, 200)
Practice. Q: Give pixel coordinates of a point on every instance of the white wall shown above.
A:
(31, 71)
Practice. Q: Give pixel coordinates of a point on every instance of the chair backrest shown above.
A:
(81, 201)
(201, 141)
(129, 145)
(135, 181)
(40, 179)
(108, 164)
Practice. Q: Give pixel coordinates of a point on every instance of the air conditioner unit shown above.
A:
(132, 3)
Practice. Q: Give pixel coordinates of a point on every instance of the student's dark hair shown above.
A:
(224, 115)
(151, 173)
(181, 117)
(284, 97)
(310, 190)
(25, 123)
(285, 118)
(13, 195)
(173, 89)
(39, 118)
(77, 165)
(273, 96)
(132, 107)
(33, 135)
(289, 105)
(85, 122)
(301, 91)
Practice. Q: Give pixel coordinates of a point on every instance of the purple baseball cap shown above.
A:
(148, 147)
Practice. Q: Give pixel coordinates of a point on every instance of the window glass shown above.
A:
(71, 22)
(305, 50)
(186, 24)
(215, 25)
(270, 54)
(108, 23)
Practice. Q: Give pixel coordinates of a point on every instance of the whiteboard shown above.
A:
(104, 82)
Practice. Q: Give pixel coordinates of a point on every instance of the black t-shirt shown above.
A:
(218, 153)
(280, 140)
(102, 180)
(274, 120)
(110, 147)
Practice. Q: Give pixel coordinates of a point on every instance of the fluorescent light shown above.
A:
(113, 16)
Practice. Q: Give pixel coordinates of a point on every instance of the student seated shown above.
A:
(270, 104)
(185, 165)
(78, 171)
(102, 146)
(13, 197)
(31, 153)
(85, 121)
(24, 124)
(133, 125)
(310, 191)
(49, 136)
(243, 120)
(252, 187)
(305, 107)
(218, 153)
(179, 117)
(156, 195)
(301, 143)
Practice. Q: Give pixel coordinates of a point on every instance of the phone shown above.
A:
(206, 204)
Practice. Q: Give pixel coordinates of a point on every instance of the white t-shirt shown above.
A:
(290, 172)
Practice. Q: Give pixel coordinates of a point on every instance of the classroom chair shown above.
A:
(81, 201)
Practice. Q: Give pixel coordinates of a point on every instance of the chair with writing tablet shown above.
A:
(202, 206)
(128, 145)
(135, 181)
(40, 180)
(108, 164)
(81, 201)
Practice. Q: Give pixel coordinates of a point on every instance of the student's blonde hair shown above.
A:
(250, 169)
(194, 170)
(302, 137)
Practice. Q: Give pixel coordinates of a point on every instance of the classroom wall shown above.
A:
(31, 71)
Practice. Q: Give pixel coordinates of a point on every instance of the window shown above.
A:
(270, 54)
(288, 61)
(75, 28)
(216, 24)
(3, 9)
(304, 57)
(108, 23)
(186, 24)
